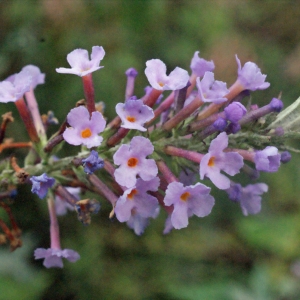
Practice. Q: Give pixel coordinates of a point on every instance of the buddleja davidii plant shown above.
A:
(142, 161)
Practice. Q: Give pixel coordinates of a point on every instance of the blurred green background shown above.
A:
(223, 256)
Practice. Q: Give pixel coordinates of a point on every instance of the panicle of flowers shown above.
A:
(144, 166)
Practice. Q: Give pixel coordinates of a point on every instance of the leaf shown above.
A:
(289, 118)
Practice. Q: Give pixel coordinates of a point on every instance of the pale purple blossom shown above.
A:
(80, 62)
(157, 77)
(15, 86)
(199, 65)
(92, 163)
(137, 201)
(211, 90)
(37, 77)
(216, 161)
(168, 225)
(132, 161)
(53, 257)
(61, 205)
(138, 223)
(250, 76)
(41, 184)
(249, 197)
(267, 160)
(235, 111)
(188, 201)
(134, 114)
(85, 129)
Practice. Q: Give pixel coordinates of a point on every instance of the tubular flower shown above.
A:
(84, 129)
(188, 201)
(132, 161)
(80, 63)
(216, 161)
(157, 77)
(134, 114)
(211, 90)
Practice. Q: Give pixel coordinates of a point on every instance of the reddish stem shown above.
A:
(89, 92)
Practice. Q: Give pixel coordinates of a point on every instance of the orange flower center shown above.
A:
(161, 84)
(132, 162)
(86, 133)
(185, 196)
(211, 161)
(131, 195)
(130, 119)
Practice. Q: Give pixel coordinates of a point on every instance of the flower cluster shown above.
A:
(147, 158)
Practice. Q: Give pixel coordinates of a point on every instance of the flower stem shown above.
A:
(26, 117)
(89, 92)
(190, 155)
(54, 227)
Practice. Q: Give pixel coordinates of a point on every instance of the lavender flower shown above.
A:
(136, 200)
(156, 74)
(138, 223)
(189, 200)
(285, 157)
(41, 184)
(53, 257)
(92, 163)
(250, 76)
(134, 114)
(235, 111)
(37, 77)
(211, 90)
(168, 225)
(132, 161)
(84, 129)
(80, 63)
(249, 197)
(267, 160)
(216, 160)
(15, 86)
(199, 65)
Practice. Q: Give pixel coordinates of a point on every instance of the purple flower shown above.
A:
(211, 90)
(249, 197)
(15, 86)
(80, 63)
(168, 225)
(199, 65)
(132, 161)
(62, 206)
(189, 200)
(267, 160)
(131, 72)
(233, 128)
(41, 184)
(250, 76)
(285, 157)
(235, 111)
(134, 114)
(138, 223)
(36, 76)
(53, 257)
(276, 105)
(84, 129)
(137, 201)
(220, 124)
(92, 163)
(216, 161)
(156, 74)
